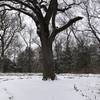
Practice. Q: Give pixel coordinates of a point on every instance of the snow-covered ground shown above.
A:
(66, 87)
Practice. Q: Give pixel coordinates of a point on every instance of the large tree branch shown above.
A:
(71, 21)
(22, 11)
(34, 8)
(19, 2)
(50, 10)
(17, 9)
(54, 17)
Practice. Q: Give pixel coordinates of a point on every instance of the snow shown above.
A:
(66, 87)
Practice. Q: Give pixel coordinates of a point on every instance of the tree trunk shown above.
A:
(47, 60)
(2, 56)
(29, 58)
(2, 48)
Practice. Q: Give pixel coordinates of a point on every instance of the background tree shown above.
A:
(58, 49)
(83, 55)
(90, 11)
(15, 48)
(9, 27)
(23, 60)
(67, 54)
(28, 42)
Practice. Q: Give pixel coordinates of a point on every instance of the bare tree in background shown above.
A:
(28, 42)
(43, 14)
(91, 12)
(8, 28)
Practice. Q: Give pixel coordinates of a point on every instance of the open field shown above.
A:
(66, 87)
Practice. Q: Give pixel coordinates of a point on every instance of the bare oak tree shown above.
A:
(43, 13)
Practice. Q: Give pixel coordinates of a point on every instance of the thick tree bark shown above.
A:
(2, 56)
(2, 53)
(48, 64)
(47, 55)
(2, 47)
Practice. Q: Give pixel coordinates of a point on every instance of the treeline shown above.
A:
(81, 58)
(68, 58)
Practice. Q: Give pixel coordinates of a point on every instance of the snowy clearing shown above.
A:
(66, 87)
